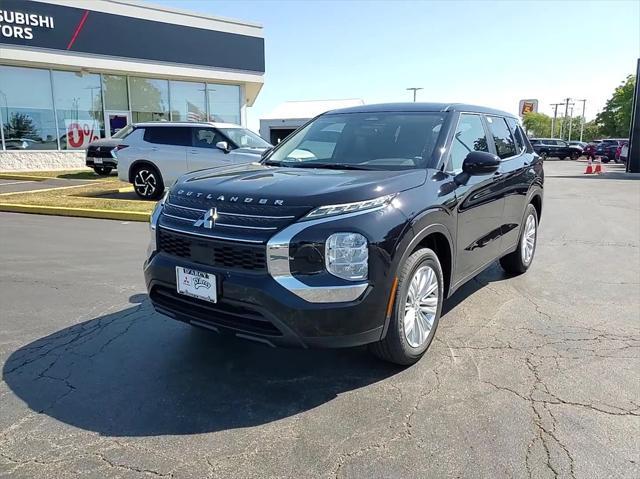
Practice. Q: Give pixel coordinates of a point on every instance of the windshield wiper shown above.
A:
(331, 166)
(275, 163)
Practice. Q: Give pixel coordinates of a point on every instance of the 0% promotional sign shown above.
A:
(81, 132)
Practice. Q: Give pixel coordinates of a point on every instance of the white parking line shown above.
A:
(16, 183)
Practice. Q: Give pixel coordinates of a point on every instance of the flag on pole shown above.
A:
(194, 113)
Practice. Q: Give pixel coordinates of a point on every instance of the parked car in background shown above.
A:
(102, 154)
(555, 148)
(607, 148)
(153, 155)
(578, 144)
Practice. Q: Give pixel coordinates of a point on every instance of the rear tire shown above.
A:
(416, 313)
(574, 155)
(544, 155)
(147, 182)
(519, 261)
(102, 170)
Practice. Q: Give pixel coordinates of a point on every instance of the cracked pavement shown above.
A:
(534, 376)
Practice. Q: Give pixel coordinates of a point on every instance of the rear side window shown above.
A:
(505, 146)
(518, 134)
(469, 136)
(168, 135)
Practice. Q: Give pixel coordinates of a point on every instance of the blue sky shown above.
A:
(489, 53)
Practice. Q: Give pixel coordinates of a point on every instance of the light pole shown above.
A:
(584, 102)
(414, 89)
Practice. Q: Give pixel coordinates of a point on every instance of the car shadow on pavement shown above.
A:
(137, 373)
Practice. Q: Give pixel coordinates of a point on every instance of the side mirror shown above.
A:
(480, 163)
(223, 145)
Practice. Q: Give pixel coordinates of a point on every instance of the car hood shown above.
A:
(257, 184)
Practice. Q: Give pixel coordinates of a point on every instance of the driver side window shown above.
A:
(469, 136)
(206, 137)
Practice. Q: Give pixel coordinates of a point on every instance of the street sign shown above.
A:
(528, 106)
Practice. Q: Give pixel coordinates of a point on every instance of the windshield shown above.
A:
(371, 141)
(244, 138)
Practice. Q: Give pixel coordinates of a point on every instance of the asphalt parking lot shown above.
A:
(534, 376)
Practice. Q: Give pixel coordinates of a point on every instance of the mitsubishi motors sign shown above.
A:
(79, 29)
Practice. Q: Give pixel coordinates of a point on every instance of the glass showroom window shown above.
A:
(224, 103)
(78, 101)
(187, 101)
(115, 92)
(26, 109)
(149, 99)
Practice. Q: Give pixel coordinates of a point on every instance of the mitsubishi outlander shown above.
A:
(354, 230)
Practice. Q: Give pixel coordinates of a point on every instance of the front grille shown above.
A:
(236, 317)
(221, 254)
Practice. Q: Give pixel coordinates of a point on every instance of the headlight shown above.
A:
(347, 256)
(153, 223)
(350, 207)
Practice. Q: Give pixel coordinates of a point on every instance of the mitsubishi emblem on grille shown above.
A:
(208, 220)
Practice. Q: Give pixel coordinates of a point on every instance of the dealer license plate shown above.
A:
(196, 284)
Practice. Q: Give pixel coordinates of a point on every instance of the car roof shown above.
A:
(421, 107)
(187, 123)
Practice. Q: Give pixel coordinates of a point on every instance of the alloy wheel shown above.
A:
(528, 239)
(145, 182)
(421, 306)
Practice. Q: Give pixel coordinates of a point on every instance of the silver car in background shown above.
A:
(153, 155)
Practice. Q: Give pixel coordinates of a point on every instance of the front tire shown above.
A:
(519, 261)
(147, 182)
(544, 155)
(416, 313)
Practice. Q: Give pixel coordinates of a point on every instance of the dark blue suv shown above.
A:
(354, 230)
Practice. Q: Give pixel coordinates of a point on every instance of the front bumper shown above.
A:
(255, 306)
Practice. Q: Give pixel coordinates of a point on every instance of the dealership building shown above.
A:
(72, 71)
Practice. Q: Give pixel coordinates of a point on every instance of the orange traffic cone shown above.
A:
(589, 170)
(598, 170)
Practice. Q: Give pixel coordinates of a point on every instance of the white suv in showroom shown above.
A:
(153, 155)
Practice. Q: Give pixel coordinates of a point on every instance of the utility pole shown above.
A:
(414, 89)
(555, 115)
(566, 112)
(584, 102)
(570, 123)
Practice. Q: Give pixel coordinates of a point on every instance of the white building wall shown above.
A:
(41, 160)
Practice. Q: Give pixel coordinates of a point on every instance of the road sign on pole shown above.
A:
(528, 106)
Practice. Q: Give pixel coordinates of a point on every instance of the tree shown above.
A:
(537, 124)
(615, 119)
(20, 125)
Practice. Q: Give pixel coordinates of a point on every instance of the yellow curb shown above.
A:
(11, 176)
(78, 212)
(41, 190)
(126, 189)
